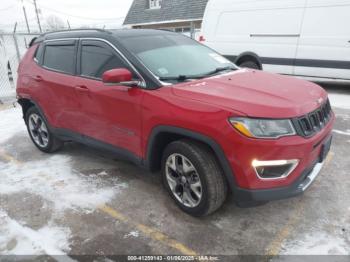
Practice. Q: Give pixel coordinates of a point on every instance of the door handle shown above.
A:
(82, 88)
(38, 78)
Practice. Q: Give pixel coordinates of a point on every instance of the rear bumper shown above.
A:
(243, 196)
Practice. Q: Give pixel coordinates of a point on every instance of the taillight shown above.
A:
(201, 38)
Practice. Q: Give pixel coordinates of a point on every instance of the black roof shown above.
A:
(97, 33)
(140, 13)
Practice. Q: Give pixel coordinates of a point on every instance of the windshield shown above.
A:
(176, 57)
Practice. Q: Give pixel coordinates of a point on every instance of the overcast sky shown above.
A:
(92, 13)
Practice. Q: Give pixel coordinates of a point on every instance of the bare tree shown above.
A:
(54, 23)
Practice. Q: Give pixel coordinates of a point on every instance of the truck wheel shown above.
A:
(250, 64)
(39, 132)
(193, 177)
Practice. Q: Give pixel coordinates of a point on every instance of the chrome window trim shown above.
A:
(60, 39)
(143, 82)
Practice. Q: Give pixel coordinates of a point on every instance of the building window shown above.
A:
(154, 4)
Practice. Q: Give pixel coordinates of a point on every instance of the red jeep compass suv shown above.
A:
(166, 102)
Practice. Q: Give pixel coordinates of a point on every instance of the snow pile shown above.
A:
(11, 122)
(54, 180)
(20, 240)
(340, 100)
(52, 177)
(319, 243)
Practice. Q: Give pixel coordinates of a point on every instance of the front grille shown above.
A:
(313, 122)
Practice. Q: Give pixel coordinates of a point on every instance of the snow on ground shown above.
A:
(21, 240)
(319, 243)
(340, 100)
(52, 176)
(11, 122)
(53, 179)
(347, 133)
(132, 234)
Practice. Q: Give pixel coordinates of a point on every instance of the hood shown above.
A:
(255, 93)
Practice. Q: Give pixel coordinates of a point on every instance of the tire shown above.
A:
(40, 133)
(180, 155)
(250, 64)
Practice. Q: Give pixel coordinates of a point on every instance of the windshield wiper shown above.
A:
(180, 77)
(187, 77)
(220, 69)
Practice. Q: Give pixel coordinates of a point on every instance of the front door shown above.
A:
(112, 114)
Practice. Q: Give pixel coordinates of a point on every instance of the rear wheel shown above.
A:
(193, 177)
(39, 132)
(250, 64)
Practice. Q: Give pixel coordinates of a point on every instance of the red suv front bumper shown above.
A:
(308, 151)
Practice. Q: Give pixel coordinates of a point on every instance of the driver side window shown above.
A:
(98, 58)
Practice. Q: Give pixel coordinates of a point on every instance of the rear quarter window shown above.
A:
(60, 58)
(38, 53)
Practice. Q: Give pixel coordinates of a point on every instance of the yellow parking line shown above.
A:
(329, 158)
(6, 106)
(146, 230)
(7, 157)
(275, 246)
(149, 232)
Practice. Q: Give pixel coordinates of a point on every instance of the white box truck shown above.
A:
(306, 38)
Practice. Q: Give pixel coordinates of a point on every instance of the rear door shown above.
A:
(55, 80)
(112, 114)
(324, 45)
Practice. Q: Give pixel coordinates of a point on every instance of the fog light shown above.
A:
(274, 169)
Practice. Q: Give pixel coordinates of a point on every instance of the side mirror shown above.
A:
(120, 76)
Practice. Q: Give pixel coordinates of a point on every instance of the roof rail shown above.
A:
(75, 30)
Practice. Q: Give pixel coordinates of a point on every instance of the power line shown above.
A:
(75, 16)
(7, 8)
(19, 22)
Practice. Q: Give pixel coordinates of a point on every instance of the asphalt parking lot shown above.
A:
(82, 202)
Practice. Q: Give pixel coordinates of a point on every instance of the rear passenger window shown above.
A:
(60, 57)
(96, 59)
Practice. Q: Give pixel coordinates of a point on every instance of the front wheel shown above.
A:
(193, 177)
(39, 132)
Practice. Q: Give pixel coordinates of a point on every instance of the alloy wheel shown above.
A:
(38, 130)
(183, 180)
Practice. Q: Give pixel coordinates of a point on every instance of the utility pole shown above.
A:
(16, 43)
(193, 30)
(68, 24)
(25, 17)
(15, 28)
(37, 15)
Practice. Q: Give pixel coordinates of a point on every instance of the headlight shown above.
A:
(263, 128)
